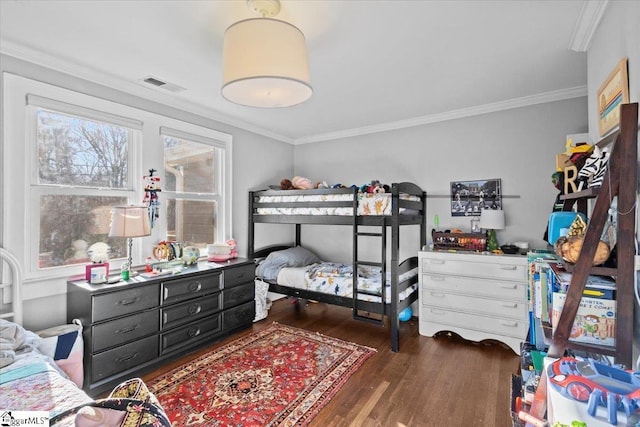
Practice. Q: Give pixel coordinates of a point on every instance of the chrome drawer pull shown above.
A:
(437, 278)
(127, 357)
(127, 330)
(511, 324)
(508, 267)
(195, 286)
(438, 312)
(128, 301)
(514, 305)
(509, 287)
(436, 261)
(437, 294)
(193, 332)
(194, 309)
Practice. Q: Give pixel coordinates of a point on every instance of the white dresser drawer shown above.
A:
(473, 304)
(494, 325)
(485, 266)
(467, 285)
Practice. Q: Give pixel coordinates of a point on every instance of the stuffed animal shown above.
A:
(286, 184)
(301, 183)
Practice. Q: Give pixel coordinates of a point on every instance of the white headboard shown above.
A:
(16, 284)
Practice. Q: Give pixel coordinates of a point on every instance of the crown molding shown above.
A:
(167, 99)
(542, 98)
(586, 24)
(92, 75)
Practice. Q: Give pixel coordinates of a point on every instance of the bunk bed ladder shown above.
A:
(357, 262)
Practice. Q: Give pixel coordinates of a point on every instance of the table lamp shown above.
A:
(492, 220)
(129, 222)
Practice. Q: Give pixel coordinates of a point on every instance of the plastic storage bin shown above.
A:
(559, 223)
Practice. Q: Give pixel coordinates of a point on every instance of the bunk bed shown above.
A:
(403, 205)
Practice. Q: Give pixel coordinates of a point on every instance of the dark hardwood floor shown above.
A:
(440, 382)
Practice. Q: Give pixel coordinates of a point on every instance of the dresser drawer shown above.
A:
(474, 304)
(124, 329)
(492, 325)
(123, 358)
(239, 275)
(240, 315)
(484, 287)
(179, 314)
(190, 334)
(107, 306)
(485, 266)
(238, 295)
(184, 289)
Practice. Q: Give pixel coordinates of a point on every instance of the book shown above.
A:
(595, 322)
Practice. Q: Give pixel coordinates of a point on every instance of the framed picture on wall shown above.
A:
(469, 198)
(613, 92)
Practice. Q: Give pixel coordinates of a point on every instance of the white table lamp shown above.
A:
(492, 220)
(129, 222)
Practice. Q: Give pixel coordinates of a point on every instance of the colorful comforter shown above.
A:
(368, 204)
(337, 279)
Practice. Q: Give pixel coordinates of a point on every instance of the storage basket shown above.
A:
(460, 241)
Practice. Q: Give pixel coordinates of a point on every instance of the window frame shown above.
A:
(21, 191)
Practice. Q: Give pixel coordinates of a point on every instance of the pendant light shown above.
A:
(265, 60)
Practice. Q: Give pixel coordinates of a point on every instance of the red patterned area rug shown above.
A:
(280, 376)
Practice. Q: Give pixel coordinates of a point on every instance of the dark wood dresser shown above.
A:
(131, 327)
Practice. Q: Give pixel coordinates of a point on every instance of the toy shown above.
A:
(151, 189)
(301, 183)
(190, 255)
(234, 248)
(595, 166)
(286, 184)
(405, 314)
(597, 384)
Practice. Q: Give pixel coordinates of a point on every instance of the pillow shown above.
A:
(64, 344)
(292, 257)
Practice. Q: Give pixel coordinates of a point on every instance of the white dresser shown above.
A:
(476, 296)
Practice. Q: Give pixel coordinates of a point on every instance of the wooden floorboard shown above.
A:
(440, 382)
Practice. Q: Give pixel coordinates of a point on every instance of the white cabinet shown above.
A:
(476, 296)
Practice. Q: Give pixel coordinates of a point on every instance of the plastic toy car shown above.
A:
(598, 385)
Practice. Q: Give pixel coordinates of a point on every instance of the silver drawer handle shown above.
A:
(436, 261)
(128, 301)
(510, 324)
(509, 305)
(437, 294)
(193, 332)
(195, 286)
(438, 312)
(437, 278)
(127, 357)
(509, 287)
(508, 267)
(127, 330)
(194, 309)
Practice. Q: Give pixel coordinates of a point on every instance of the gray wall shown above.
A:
(258, 161)
(518, 146)
(617, 36)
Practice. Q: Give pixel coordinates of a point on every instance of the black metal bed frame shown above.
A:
(415, 214)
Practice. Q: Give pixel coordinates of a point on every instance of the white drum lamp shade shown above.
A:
(492, 219)
(265, 64)
(130, 221)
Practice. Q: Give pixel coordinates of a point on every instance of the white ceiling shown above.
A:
(375, 65)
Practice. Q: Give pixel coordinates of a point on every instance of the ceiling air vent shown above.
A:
(153, 81)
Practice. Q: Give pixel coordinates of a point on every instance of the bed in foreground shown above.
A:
(403, 205)
(38, 370)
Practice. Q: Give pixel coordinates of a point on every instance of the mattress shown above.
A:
(368, 204)
(337, 279)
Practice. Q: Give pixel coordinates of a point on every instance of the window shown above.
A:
(80, 161)
(194, 176)
(69, 157)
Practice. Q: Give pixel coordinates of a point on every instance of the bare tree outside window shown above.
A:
(78, 153)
